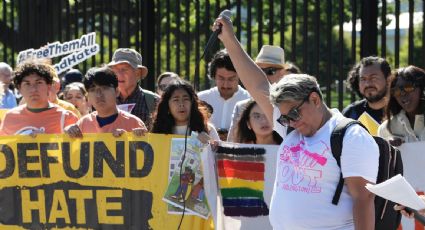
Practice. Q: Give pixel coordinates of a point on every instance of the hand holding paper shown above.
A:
(398, 190)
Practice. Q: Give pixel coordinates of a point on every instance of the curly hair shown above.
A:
(246, 135)
(43, 70)
(164, 121)
(354, 73)
(410, 74)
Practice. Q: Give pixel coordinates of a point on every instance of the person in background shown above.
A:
(53, 96)
(369, 79)
(254, 128)
(164, 79)
(271, 60)
(127, 65)
(9, 100)
(76, 94)
(101, 84)
(37, 115)
(406, 107)
(178, 112)
(206, 109)
(73, 75)
(227, 92)
(291, 68)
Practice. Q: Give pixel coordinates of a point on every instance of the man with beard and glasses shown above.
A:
(369, 79)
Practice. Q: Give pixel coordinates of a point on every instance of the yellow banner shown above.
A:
(94, 182)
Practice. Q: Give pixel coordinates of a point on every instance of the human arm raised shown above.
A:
(249, 73)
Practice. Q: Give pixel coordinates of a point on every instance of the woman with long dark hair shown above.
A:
(254, 128)
(406, 107)
(178, 112)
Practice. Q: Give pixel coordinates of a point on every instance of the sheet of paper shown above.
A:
(398, 190)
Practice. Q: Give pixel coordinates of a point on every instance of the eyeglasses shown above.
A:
(406, 88)
(270, 70)
(293, 114)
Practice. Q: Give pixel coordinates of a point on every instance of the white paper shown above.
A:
(398, 190)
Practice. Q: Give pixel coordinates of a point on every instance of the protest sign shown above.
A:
(413, 158)
(95, 182)
(57, 49)
(186, 187)
(79, 50)
(245, 193)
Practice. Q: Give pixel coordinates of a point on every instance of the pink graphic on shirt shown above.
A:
(301, 169)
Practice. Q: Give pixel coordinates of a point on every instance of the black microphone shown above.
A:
(214, 35)
(416, 215)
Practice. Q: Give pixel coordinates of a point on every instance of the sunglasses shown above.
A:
(406, 89)
(270, 70)
(293, 114)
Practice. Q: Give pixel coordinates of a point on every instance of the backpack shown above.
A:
(151, 100)
(390, 164)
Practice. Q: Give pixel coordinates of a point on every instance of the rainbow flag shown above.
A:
(241, 181)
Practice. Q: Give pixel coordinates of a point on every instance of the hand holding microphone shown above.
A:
(213, 38)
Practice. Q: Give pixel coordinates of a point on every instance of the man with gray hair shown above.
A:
(9, 99)
(307, 174)
(127, 65)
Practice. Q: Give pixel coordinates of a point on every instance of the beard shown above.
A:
(377, 97)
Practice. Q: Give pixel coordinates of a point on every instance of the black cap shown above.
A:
(73, 75)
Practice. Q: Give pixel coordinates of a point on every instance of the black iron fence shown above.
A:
(322, 37)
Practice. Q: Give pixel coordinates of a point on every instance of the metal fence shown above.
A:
(321, 37)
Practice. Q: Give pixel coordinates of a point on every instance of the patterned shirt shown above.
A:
(140, 109)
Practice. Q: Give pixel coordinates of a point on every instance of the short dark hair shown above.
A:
(221, 59)
(100, 76)
(43, 70)
(354, 74)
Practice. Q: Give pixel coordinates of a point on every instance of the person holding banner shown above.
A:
(178, 112)
(102, 86)
(38, 115)
(405, 108)
(307, 174)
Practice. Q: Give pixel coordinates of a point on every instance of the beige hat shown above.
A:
(271, 55)
(130, 56)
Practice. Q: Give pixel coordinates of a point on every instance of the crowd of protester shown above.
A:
(277, 105)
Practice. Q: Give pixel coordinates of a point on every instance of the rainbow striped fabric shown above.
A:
(241, 181)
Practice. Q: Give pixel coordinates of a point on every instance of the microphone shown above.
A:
(225, 13)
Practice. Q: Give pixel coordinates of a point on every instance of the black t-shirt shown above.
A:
(356, 109)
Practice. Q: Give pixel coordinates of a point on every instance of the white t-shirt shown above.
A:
(307, 175)
(181, 129)
(223, 109)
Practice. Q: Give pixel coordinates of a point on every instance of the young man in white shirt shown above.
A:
(227, 92)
